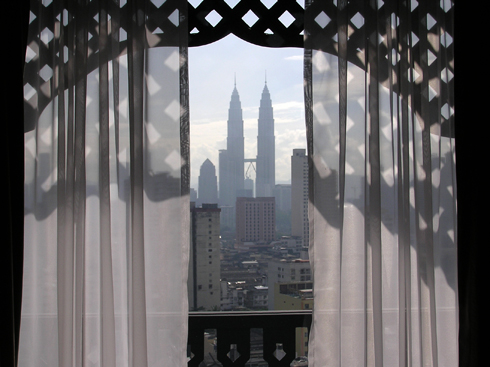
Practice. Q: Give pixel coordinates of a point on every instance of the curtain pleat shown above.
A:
(106, 185)
(382, 211)
(12, 201)
(373, 219)
(136, 291)
(107, 332)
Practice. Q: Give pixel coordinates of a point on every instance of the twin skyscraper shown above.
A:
(232, 181)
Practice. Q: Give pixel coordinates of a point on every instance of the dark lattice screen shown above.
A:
(275, 23)
(265, 23)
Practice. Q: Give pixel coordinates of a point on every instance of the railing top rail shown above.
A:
(304, 313)
(279, 320)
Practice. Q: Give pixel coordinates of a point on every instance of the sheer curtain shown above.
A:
(382, 183)
(106, 185)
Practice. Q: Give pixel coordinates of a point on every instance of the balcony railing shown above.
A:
(248, 339)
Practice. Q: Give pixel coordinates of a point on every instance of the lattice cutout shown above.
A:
(233, 354)
(279, 353)
(250, 18)
(213, 18)
(268, 23)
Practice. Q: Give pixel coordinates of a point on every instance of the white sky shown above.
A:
(212, 70)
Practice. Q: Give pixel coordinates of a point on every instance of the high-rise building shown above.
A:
(208, 184)
(249, 188)
(232, 163)
(231, 159)
(299, 195)
(204, 263)
(282, 193)
(193, 194)
(287, 271)
(255, 219)
(266, 167)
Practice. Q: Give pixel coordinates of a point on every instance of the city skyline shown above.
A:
(213, 71)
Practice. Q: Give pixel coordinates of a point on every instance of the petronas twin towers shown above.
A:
(232, 160)
(266, 147)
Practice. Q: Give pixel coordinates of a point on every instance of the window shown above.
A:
(357, 22)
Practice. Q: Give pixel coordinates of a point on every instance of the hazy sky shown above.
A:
(212, 70)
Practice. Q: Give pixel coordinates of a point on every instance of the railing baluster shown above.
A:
(240, 337)
(195, 340)
(285, 338)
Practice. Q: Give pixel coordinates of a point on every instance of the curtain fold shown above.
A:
(11, 204)
(106, 185)
(379, 115)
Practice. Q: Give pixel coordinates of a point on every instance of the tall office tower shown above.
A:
(232, 160)
(208, 184)
(224, 179)
(249, 188)
(282, 193)
(255, 219)
(287, 271)
(204, 262)
(266, 167)
(299, 195)
(193, 194)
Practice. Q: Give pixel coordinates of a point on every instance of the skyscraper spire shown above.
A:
(266, 168)
(231, 159)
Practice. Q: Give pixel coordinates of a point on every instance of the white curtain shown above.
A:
(106, 185)
(382, 183)
(107, 180)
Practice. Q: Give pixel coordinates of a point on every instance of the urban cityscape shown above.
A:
(249, 235)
